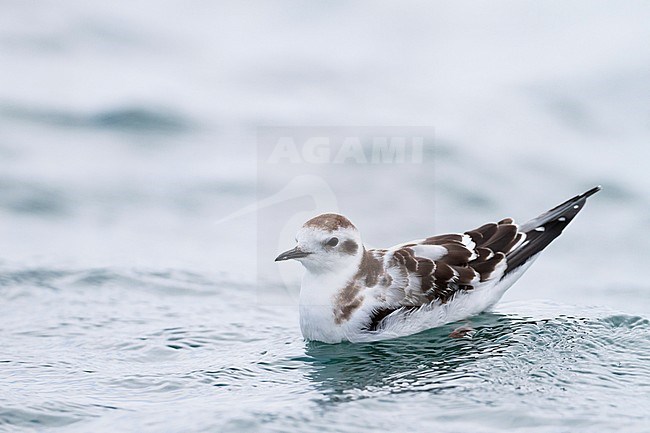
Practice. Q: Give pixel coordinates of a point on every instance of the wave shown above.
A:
(132, 119)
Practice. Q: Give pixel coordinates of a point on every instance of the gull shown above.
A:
(350, 293)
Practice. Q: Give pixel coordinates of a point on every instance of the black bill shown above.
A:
(294, 253)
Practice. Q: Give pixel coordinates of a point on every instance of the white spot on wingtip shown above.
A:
(576, 206)
(539, 229)
(561, 219)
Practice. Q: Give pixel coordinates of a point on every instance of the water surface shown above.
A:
(128, 135)
(105, 349)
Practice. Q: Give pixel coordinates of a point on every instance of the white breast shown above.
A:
(317, 301)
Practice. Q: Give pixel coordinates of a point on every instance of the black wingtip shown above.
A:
(542, 230)
(591, 192)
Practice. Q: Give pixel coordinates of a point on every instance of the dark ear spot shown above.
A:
(349, 247)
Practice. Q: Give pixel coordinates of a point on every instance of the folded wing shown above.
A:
(438, 267)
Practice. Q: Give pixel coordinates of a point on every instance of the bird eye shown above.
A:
(332, 242)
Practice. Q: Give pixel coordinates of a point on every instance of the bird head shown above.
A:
(327, 242)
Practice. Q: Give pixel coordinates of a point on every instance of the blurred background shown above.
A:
(129, 141)
(128, 130)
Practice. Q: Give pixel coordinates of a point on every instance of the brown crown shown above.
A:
(329, 222)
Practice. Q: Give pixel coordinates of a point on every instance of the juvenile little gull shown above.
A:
(350, 293)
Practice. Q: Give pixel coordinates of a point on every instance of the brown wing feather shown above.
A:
(462, 264)
(417, 280)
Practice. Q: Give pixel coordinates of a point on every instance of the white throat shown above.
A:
(318, 293)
